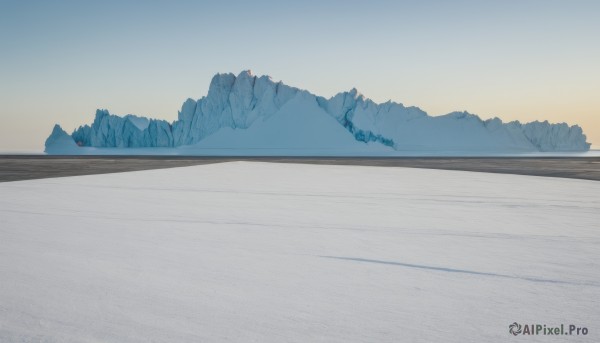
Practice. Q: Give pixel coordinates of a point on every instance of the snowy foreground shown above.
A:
(260, 252)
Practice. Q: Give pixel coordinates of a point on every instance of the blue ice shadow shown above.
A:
(463, 271)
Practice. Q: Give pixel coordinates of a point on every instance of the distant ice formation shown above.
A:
(250, 115)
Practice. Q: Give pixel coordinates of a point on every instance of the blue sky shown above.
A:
(522, 60)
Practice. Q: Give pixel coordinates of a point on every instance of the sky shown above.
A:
(513, 59)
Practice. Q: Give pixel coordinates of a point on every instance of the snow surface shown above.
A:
(267, 252)
(236, 104)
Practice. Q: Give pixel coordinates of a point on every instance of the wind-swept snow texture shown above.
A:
(296, 122)
(261, 252)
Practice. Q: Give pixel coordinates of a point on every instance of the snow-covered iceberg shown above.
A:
(59, 142)
(251, 115)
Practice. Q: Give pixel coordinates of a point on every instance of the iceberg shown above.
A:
(252, 115)
(60, 142)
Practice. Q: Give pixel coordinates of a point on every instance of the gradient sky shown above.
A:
(525, 60)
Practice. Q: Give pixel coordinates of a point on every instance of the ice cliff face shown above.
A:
(234, 102)
(411, 129)
(130, 131)
(239, 102)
